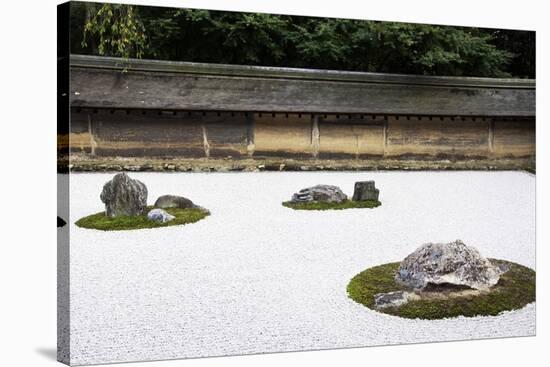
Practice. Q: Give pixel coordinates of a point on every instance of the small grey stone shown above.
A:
(391, 299)
(365, 190)
(159, 215)
(173, 201)
(124, 196)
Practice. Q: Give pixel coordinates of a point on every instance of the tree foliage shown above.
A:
(116, 30)
(293, 41)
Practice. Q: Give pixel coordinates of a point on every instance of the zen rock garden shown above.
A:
(327, 276)
(126, 208)
(325, 197)
(437, 280)
(441, 280)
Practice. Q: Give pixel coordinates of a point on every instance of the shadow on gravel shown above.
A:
(49, 353)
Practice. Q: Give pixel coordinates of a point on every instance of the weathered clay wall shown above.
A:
(138, 133)
(513, 138)
(280, 135)
(440, 137)
(352, 137)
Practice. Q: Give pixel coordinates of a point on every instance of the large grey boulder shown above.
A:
(322, 193)
(174, 201)
(448, 264)
(124, 196)
(159, 215)
(365, 190)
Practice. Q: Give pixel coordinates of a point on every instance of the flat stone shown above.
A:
(441, 265)
(365, 190)
(159, 215)
(173, 201)
(320, 193)
(124, 196)
(392, 299)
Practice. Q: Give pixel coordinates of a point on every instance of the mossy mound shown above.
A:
(346, 204)
(104, 223)
(515, 289)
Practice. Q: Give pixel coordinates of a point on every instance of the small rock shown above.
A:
(159, 215)
(392, 299)
(442, 264)
(173, 201)
(124, 196)
(365, 190)
(323, 193)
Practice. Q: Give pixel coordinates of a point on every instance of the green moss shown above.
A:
(515, 289)
(104, 223)
(347, 204)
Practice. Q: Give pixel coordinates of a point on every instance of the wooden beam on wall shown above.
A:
(491, 137)
(250, 133)
(315, 136)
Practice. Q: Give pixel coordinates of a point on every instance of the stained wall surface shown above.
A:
(136, 133)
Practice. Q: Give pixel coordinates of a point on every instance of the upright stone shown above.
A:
(124, 196)
(365, 190)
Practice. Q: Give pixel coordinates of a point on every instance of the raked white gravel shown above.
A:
(257, 277)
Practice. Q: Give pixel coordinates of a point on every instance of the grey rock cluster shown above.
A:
(324, 193)
(438, 267)
(451, 263)
(124, 196)
(364, 190)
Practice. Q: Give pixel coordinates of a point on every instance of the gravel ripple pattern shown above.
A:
(256, 277)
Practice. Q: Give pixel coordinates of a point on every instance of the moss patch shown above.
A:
(347, 204)
(102, 222)
(515, 289)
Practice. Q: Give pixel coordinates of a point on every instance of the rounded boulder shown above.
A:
(174, 201)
